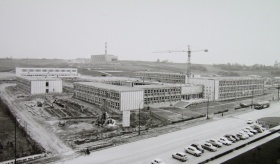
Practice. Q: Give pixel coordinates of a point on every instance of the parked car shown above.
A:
(180, 156)
(209, 147)
(251, 130)
(236, 137)
(230, 138)
(242, 135)
(157, 161)
(224, 141)
(257, 128)
(248, 132)
(198, 147)
(214, 143)
(192, 150)
(250, 121)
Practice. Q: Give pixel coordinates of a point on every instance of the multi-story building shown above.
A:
(103, 58)
(227, 88)
(31, 85)
(155, 93)
(123, 96)
(164, 77)
(117, 98)
(47, 72)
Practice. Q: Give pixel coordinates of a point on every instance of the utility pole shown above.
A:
(15, 140)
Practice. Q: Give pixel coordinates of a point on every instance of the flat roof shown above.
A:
(227, 78)
(110, 87)
(164, 85)
(39, 78)
(111, 78)
(43, 68)
(171, 73)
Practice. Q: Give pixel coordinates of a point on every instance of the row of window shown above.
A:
(49, 70)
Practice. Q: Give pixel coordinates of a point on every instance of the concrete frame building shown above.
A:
(121, 95)
(47, 72)
(117, 98)
(34, 86)
(227, 88)
(170, 92)
(165, 77)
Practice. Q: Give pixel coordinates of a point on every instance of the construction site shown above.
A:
(60, 125)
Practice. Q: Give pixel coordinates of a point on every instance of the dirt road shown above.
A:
(37, 128)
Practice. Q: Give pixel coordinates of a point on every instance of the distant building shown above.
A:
(31, 85)
(47, 72)
(164, 77)
(276, 64)
(103, 57)
(227, 88)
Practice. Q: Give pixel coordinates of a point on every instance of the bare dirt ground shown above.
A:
(36, 127)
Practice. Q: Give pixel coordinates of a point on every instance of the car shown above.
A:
(224, 141)
(180, 156)
(209, 147)
(250, 121)
(236, 137)
(248, 132)
(242, 136)
(215, 143)
(192, 150)
(251, 130)
(198, 147)
(257, 128)
(157, 161)
(230, 138)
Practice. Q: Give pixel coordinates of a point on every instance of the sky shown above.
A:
(234, 31)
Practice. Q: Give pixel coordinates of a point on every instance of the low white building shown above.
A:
(34, 86)
(47, 72)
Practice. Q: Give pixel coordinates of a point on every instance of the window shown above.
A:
(47, 84)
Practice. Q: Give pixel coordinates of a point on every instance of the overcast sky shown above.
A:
(235, 31)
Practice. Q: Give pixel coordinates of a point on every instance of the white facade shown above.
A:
(131, 100)
(227, 88)
(39, 85)
(47, 72)
(118, 98)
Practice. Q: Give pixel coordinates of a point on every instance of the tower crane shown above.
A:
(189, 58)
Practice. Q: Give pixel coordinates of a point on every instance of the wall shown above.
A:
(131, 100)
(39, 87)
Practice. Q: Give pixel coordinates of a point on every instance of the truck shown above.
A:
(262, 104)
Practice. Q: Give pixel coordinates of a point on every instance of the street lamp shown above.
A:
(139, 118)
(207, 117)
(252, 96)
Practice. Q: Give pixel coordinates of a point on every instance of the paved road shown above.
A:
(163, 146)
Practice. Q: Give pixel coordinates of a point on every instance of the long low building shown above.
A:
(165, 77)
(31, 85)
(47, 72)
(117, 98)
(125, 96)
(227, 88)
(170, 92)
